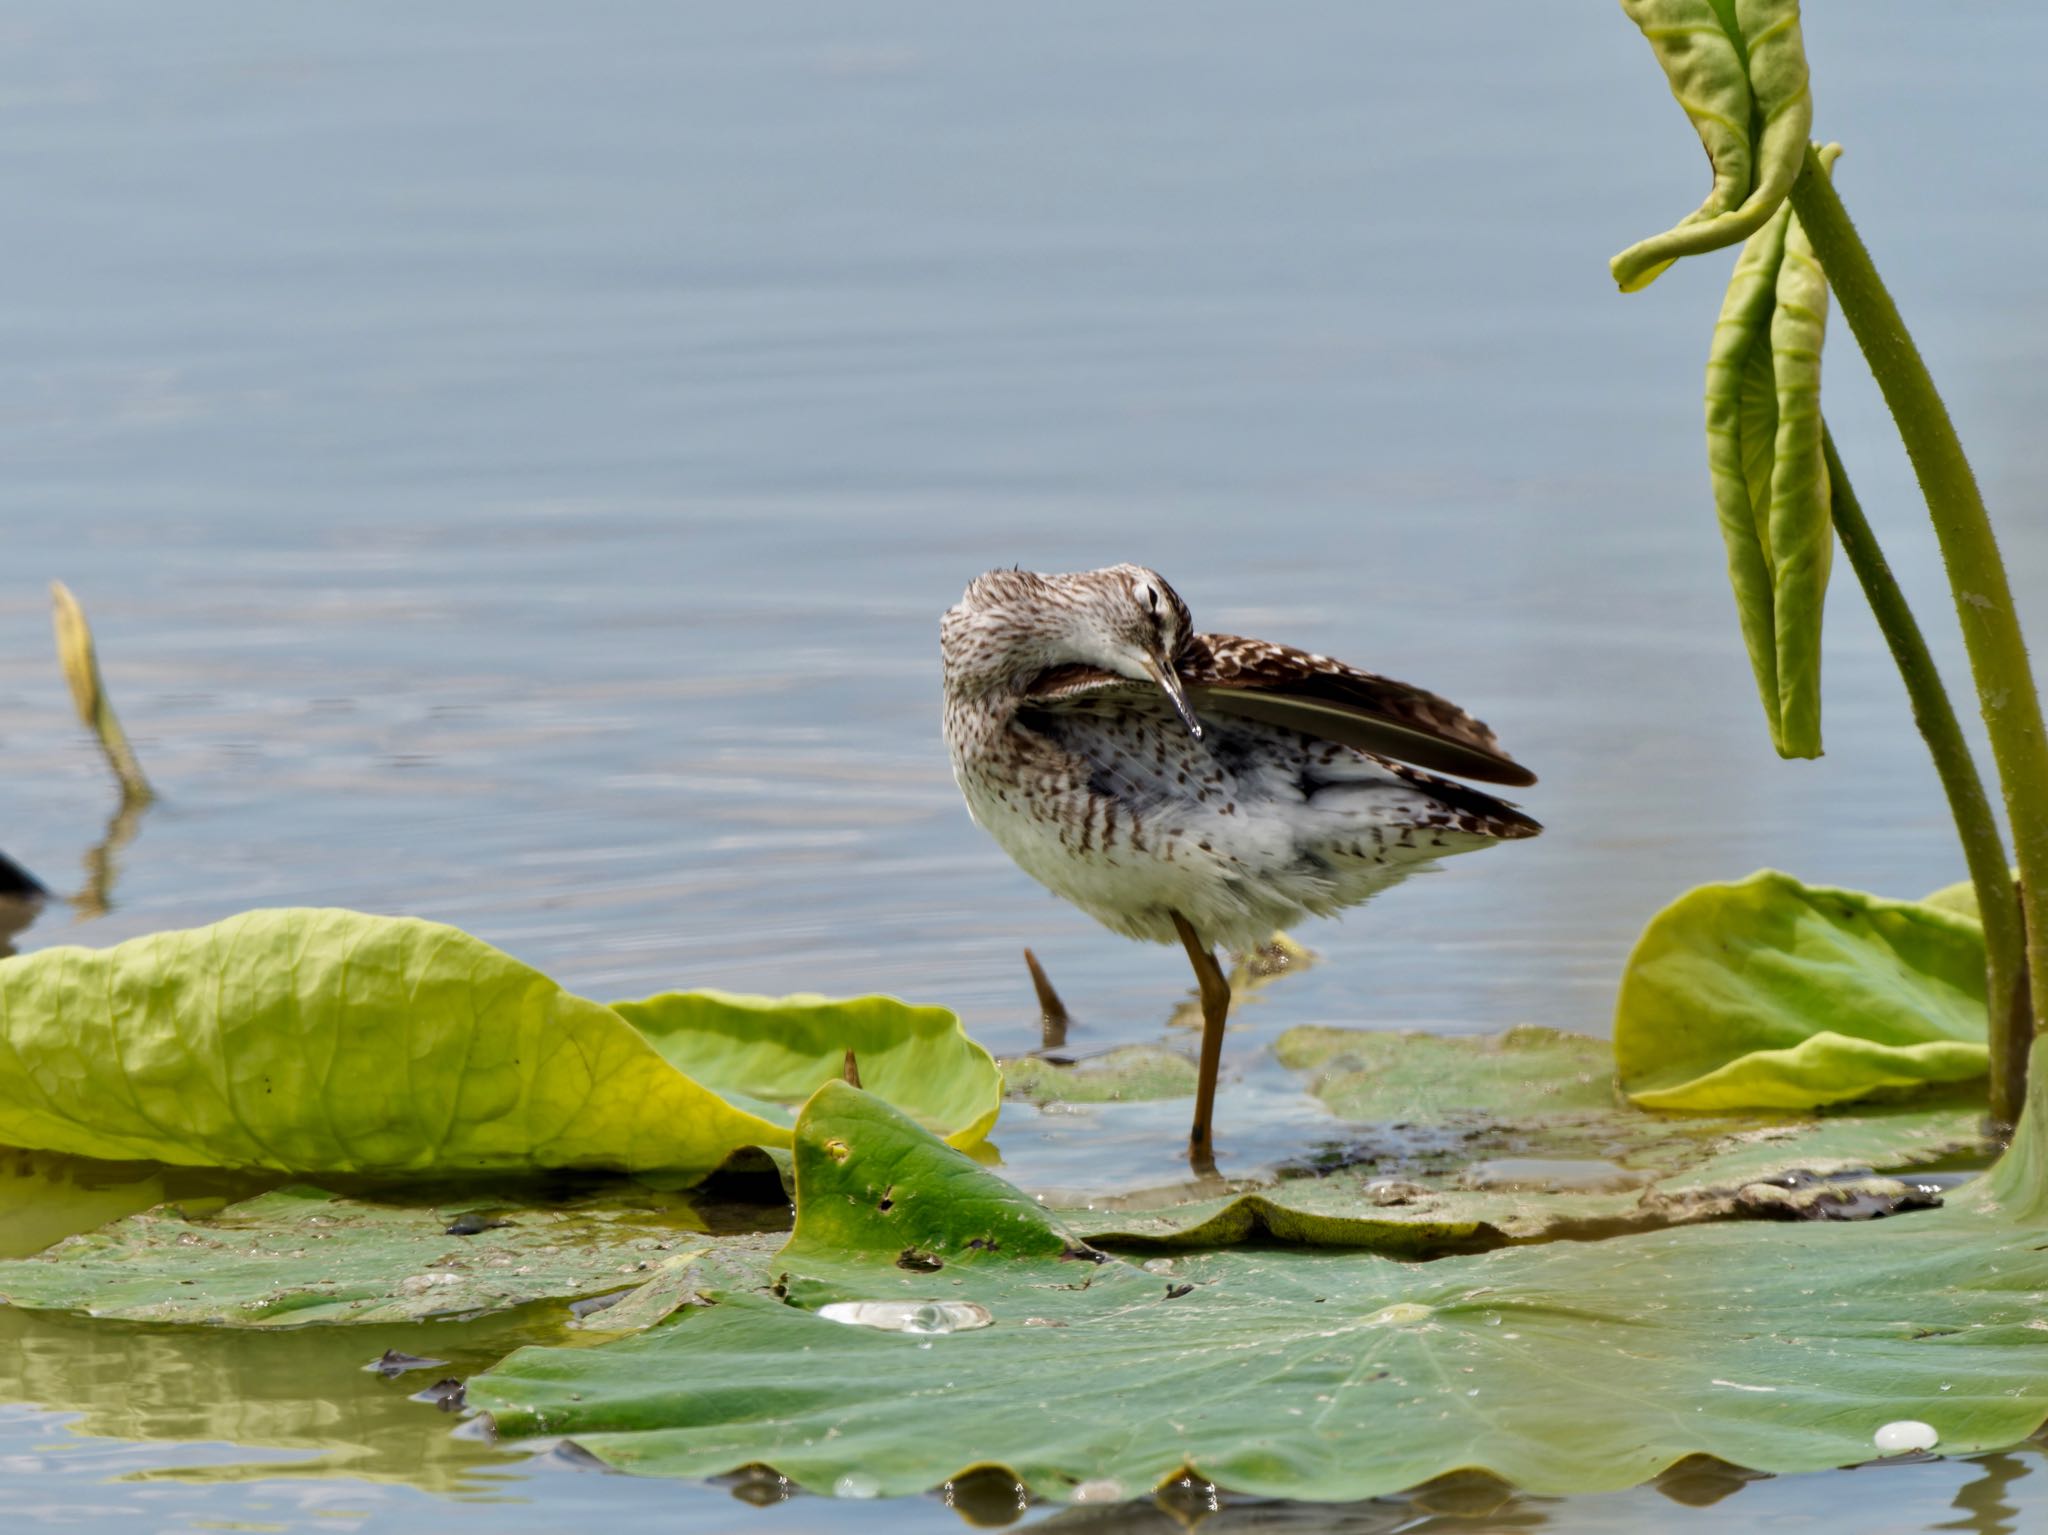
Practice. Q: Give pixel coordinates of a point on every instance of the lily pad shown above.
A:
(312, 1041)
(299, 1254)
(1296, 1372)
(1325, 1213)
(1959, 898)
(672, 1287)
(1769, 993)
(1528, 1073)
(1542, 1095)
(1128, 1074)
(770, 1053)
(1657, 1172)
(1458, 1143)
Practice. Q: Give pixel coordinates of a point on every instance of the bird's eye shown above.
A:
(1149, 595)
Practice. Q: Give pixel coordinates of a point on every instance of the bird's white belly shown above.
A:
(1239, 865)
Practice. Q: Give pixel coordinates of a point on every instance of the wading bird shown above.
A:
(1194, 786)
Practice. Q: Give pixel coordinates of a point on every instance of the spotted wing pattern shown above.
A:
(1280, 685)
(1317, 696)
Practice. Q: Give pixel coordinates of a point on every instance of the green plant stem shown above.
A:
(2011, 1027)
(1976, 573)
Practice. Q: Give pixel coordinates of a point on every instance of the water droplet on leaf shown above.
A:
(939, 1316)
(1400, 1314)
(1904, 1435)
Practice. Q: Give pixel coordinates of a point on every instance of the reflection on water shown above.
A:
(45, 1198)
(1989, 1505)
(302, 1390)
(15, 915)
(95, 897)
(519, 469)
(1696, 1495)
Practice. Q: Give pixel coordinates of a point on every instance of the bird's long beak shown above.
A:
(1162, 672)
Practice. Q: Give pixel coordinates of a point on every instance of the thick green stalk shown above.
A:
(1976, 573)
(2011, 1028)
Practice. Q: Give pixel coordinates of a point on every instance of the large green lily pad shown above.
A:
(297, 1255)
(313, 1041)
(1769, 993)
(1297, 1372)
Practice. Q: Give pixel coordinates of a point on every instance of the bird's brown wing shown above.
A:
(1278, 685)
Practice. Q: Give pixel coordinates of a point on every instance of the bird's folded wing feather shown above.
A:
(1278, 685)
(1327, 699)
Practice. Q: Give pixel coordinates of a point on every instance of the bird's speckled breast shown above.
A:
(1114, 806)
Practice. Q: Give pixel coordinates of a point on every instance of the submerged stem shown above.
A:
(1976, 825)
(1983, 595)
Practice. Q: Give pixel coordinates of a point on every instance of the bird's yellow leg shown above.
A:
(1215, 1009)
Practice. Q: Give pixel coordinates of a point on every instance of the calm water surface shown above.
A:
(515, 458)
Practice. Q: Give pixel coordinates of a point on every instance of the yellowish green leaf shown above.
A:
(1738, 68)
(1769, 477)
(1768, 993)
(313, 1041)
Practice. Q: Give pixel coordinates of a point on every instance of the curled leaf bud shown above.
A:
(77, 655)
(1738, 67)
(1770, 476)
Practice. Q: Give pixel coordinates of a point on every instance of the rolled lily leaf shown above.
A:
(309, 1041)
(1770, 477)
(1768, 993)
(1738, 67)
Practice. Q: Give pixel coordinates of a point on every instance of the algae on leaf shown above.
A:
(1267, 1370)
(1466, 1104)
(314, 1041)
(1461, 1143)
(1456, 1143)
(1527, 1073)
(1768, 993)
(1127, 1074)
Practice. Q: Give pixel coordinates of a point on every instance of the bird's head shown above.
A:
(1126, 619)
